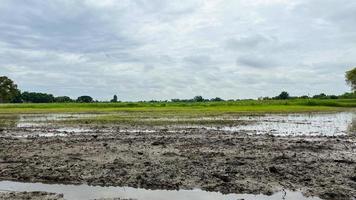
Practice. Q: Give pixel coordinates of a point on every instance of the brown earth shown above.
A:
(30, 195)
(211, 160)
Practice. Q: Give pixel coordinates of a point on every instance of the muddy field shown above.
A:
(212, 160)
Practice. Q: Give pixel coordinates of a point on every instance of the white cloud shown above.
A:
(144, 49)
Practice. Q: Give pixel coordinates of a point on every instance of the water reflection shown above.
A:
(37, 120)
(325, 124)
(81, 192)
(312, 124)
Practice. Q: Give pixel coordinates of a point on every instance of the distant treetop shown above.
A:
(8, 90)
(351, 78)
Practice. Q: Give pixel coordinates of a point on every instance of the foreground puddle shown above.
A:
(85, 192)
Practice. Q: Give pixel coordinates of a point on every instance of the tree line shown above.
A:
(9, 93)
(282, 96)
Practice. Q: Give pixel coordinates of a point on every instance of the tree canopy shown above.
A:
(8, 90)
(85, 99)
(283, 95)
(114, 100)
(35, 97)
(351, 78)
(63, 99)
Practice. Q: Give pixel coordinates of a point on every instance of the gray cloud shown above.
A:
(249, 42)
(257, 61)
(152, 49)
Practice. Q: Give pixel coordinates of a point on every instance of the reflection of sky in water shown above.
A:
(81, 192)
(32, 120)
(328, 124)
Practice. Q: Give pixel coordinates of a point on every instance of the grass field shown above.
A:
(296, 105)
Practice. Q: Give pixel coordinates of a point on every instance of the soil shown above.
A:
(30, 195)
(221, 161)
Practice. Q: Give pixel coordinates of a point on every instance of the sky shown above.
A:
(160, 49)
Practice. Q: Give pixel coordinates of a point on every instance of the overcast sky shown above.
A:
(151, 49)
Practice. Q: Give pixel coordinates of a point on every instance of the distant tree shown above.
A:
(320, 96)
(198, 99)
(85, 99)
(304, 97)
(283, 95)
(17, 98)
(8, 90)
(35, 97)
(351, 78)
(348, 95)
(333, 97)
(63, 99)
(217, 99)
(114, 100)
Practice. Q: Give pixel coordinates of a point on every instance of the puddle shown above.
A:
(327, 124)
(312, 124)
(85, 192)
(38, 120)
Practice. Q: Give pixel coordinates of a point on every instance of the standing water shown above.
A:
(314, 124)
(85, 192)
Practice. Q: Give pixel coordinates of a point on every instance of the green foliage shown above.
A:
(351, 78)
(348, 95)
(320, 96)
(114, 100)
(283, 95)
(198, 99)
(291, 105)
(35, 97)
(8, 90)
(217, 99)
(85, 99)
(63, 99)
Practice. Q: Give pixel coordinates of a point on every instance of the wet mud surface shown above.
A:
(227, 162)
(30, 195)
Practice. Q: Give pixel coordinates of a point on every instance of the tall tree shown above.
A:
(351, 78)
(283, 95)
(114, 100)
(8, 90)
(198, 99)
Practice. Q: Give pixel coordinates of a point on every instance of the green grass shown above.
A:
(298, 105)
(169, 113)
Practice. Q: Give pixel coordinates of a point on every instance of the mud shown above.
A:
(30, 195)
(227, 162)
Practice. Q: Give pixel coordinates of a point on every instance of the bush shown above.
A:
(85, 99)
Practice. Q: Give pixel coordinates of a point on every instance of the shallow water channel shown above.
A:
(85, 192)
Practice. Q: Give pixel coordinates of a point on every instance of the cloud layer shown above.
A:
(152, 49)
